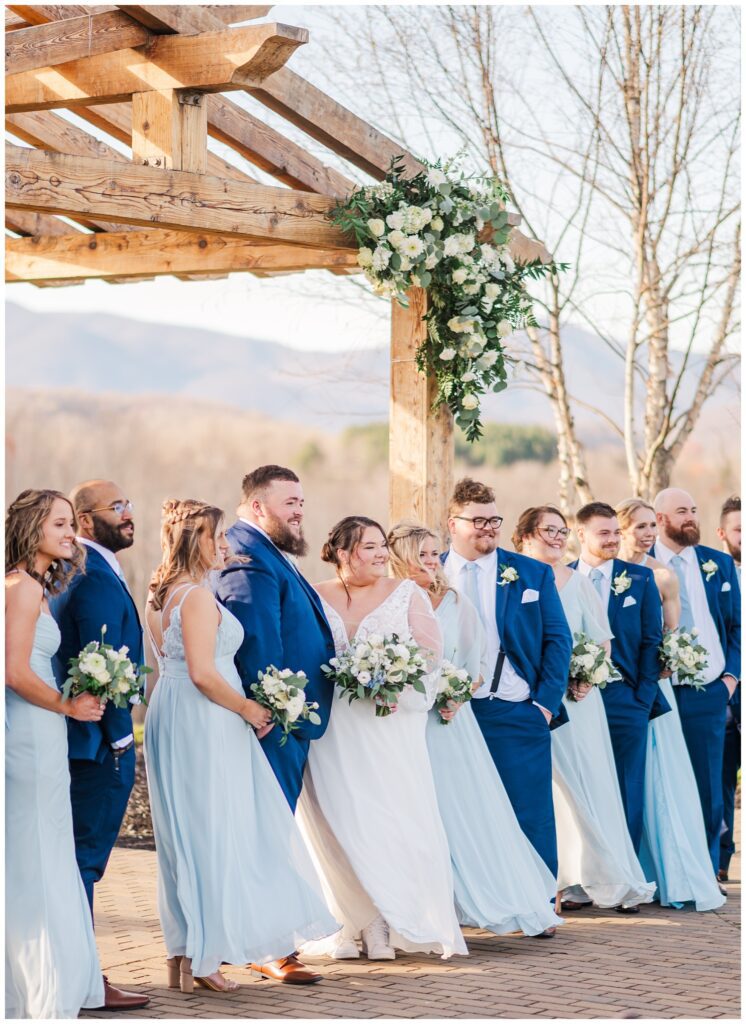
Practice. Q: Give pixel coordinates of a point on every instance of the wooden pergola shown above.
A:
(157, 79)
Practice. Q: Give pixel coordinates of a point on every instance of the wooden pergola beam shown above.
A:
(57, 42)
(157, 253)
(230, 14)
(128, 193)
(24, 222)
(40, 14)
(211, 62)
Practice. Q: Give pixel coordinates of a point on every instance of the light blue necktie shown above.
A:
(597, 578)
(686, 619)
(472, 588)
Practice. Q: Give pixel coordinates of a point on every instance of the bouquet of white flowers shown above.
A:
(282, 693)
(106, 673)
(680, 653)
(454, 685)
(590, 665)
(377, 668)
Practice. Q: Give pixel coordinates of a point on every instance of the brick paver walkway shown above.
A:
(659, 963)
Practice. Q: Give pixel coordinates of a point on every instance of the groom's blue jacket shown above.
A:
(534, 632)
(285, 626)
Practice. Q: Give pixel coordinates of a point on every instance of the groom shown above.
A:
(284, 625)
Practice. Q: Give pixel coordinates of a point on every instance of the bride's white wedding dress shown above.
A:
(369, 810)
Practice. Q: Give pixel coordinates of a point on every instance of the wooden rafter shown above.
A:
(57, 42)
(78, 257)
(211, 62)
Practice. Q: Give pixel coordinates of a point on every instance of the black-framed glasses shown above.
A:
(480, 523)
(120, 507)
(553, 531)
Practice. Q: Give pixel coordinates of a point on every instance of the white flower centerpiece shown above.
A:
(454, 685)
(448, 232)
(106, 673)
(377, 668)
(282, 693)
(590, 665)
(681, 654)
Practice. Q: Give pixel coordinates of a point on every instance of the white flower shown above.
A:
(504, 328)
(365, 257)
(507, 261)
(376, 227)
(466, 243)
(709, 568)
(102, 677)
(129, 672)
(487, 360)
(451, 246)
(601, 674)
(621, 583)
(471, 289)
(395, 238)
(432, 261)
(492, 290)
(509, 574)
(468, 377)
(406, 263)
(92, 663)
(286, 673)
(437, 224)
(459, 275)
(585, 661)
(396, 219)
(470, 402)
(435, 177)
(412, 247)
(447, 354)
(381, 258)
(364, 678)
(459, 326)
(475, 345)
(123, 686)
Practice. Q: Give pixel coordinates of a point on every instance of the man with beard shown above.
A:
(528, 656)
(629, 593)
(102, 754)
(729, 533)
(710, 601)
(284, 626)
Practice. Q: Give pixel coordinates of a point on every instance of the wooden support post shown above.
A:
(420, 440)
(169, 130)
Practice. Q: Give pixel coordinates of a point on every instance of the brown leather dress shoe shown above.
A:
(627, 910)
(118, 999)
(289, 970)
(548, 933)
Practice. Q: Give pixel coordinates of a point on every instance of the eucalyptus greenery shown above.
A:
(448, 232)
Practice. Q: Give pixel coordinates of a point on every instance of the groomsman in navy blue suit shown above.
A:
(102, 754)
(529, 647)
(635, 615)
(729, 533)
(711, 602)
(284, 625)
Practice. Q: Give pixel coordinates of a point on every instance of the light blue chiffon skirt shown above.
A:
(500, 881)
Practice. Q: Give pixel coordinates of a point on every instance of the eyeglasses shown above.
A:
(120, 507)
(553, 531)
(480, 523)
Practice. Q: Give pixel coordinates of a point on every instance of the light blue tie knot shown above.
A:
(686, 619)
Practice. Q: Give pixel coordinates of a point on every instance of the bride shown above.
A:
(368, 808)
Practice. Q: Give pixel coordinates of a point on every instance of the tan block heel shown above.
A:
(186, 979)
(172, 966)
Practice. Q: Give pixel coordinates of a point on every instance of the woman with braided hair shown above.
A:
(235, 883)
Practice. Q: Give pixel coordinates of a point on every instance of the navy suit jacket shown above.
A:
(637, 625)
(95, 598)
(282, 617)
(534, 635)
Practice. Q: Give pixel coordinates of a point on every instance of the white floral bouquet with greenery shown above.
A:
(590, 665)
(377, 668)
(454, 685)
(680, 653)
(106, 673)
(282, 693)
(448, 232)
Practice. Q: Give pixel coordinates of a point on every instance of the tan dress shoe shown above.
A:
(118, 999)
(289, 970)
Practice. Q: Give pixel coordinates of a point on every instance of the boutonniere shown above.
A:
(508, 575)
(709, 568)
(621, 583)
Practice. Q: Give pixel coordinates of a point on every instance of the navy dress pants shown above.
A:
(731, 764)
(519, 741)
(702, 714)
(628, 728)
(99, 792)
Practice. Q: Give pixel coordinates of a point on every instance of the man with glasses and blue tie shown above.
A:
(528, 657)
(102, 754)
(710, 602)
(629, 593)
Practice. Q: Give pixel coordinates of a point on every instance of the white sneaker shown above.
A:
(375, 938)
(337, 947)
(346, 949)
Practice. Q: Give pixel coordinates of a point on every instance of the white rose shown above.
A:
(129, 672)
(459, 326)
(437, 223)
(396, 219)
(470, 402)
(365, 257)
(395, 238)
(123, 686)
(468, 377)
(102, 677)
(585, 661)
(487, 360)
(432, 261)
(92, 663)
(376, 227)
(492, 290)
(381, 258)
(435, 177)
(459, 275)
(286, 673)
(447, 354)
(364, 678)
(402, 651)
(601, 674)
(466, 243)
(504, 328)
(471, 289)
(451, 246)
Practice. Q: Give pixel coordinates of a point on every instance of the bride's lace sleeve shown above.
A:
(426, 633)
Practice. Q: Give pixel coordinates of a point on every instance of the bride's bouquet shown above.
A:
(282, 693)
(377, 668)
(454, 686)
(590, 665)
(106, 673)
(680, 653)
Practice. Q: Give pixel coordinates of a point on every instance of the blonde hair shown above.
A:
(627, 508)
(183, 525)
(405, 540)
(24, 532)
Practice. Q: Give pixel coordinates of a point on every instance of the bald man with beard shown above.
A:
(710, 602)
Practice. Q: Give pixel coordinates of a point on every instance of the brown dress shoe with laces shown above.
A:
(289, 971)
(118, 999)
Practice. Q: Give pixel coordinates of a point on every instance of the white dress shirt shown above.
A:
(511, 686)
(703, 620)
(111, 560)
(606, 568)
(285, 555)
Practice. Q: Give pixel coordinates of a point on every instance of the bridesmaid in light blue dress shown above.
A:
(597, 861)
(235, 882)
(674, 851)
(51, 964)
(501, 883)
